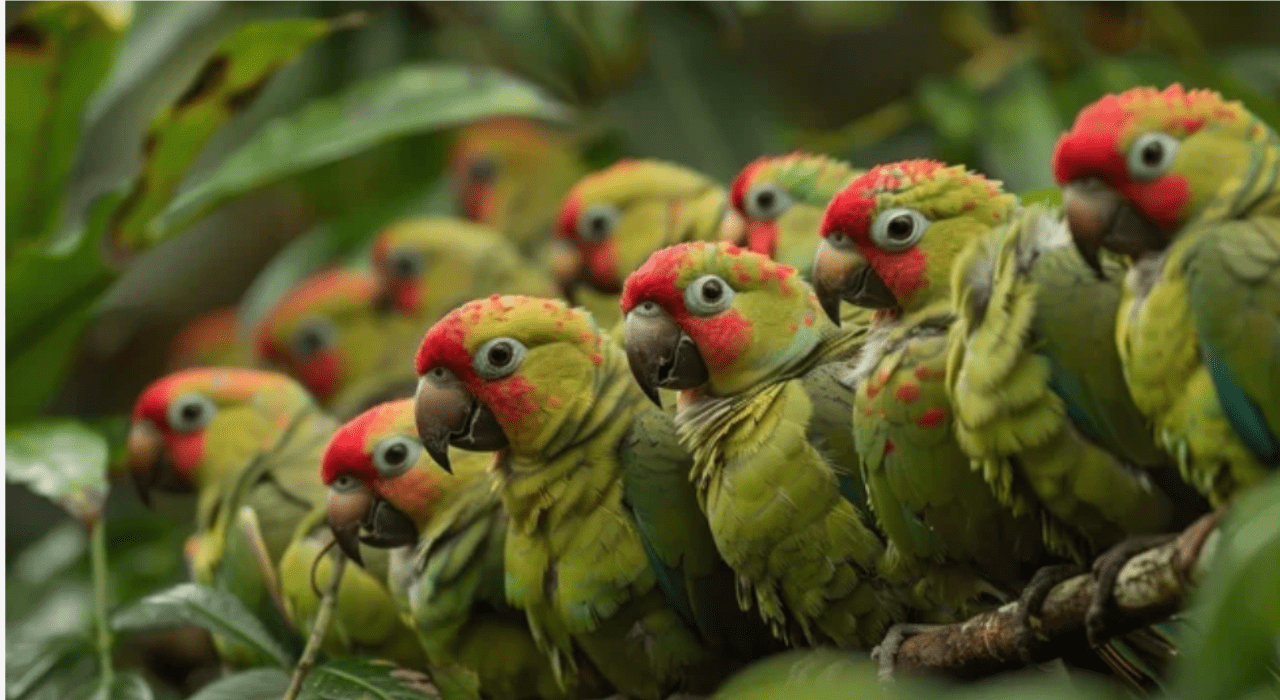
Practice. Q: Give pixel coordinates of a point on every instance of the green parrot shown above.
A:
(1186, 185)
(248, 444)
(448, 533)
(328, 333)
(781, 200)
(606, 548)
(512, 173)
(616, 217)
(950, 537)
(761, 407)
(428, 266)
(209, 340)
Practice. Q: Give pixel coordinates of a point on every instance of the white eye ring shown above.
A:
(766, 202)
(897, 229)
(395, 455)
(707, 295)
(311, 337)
(837, 239)
(499, 357)
(647, 308)
(190, 412)
(344, 483)
(1151, 155)
(597, 223)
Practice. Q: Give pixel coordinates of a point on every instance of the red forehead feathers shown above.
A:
(567, 223)
(318, 289)
(212, 330)
(347, 452)
(851, 209)
(219, 383)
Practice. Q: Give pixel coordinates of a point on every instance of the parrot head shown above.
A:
(715, 315)
(382, 485)
(891, 235)
(427, 266)
(1136, 167)
(315, 331)
(507, 372)
(194, 427)
(502, 169)
(786, 193)
(210, 340)
(614, 218)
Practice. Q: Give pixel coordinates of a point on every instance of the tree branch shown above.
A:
(328, 601)
(1150, 589)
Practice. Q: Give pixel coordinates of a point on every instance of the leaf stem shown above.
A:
(98, 552)
(328, 601)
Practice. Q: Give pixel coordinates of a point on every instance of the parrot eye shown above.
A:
(647, 308)
(767, 202)
(597, 223)
(837, 239)
(344, 483)
(499, 357)
(1151, 155)
(482, 169)
(708, 295)
(190, 413)
(897, 229)
(396, 454)
(404, 264)
(313, 337)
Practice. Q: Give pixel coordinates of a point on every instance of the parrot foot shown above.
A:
(1106, 569)
(1031, 602)
(886, 653)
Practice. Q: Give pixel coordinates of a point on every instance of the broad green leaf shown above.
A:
(125, 686)
(193, 604)
(60, 548)
(1042, 687)
(62, 460)
(254, 684)
(228, 83)
(954, 109)
(818, 673)
(412, 99)
(55, 55)
(28, 663)
(1235, 613)
(1020, 127)
(365, 679)
(1052, 195)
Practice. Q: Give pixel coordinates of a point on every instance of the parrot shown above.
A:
(762, 410)
(512, 173)
(606, 549)
(996, 301)
(950, 538)
(615, 217)
(448, 533)
(209, 340)
(248, 444)
(428, 266)
(781, 200)
(1185, 186)
(328, 333)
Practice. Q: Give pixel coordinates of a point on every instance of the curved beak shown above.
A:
(345, 512)
(147, 459)
(841, 274)
(567, 267)
(448, 414)
(732, 227)
(661, 355)
(1101, 217)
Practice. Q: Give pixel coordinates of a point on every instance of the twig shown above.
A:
(1150, 589)
(328, 600)
(98, 553)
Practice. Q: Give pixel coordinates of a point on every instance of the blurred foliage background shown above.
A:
(167, 158)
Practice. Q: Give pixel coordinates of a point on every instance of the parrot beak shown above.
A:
(384, 301)
(733, 227)
(840, 275)
(448, 414)
(345, 512)
(660, 353)
(567, 267)
(1101, 217)
(149, 464)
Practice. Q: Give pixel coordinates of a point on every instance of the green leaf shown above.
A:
(409, 100)
(254, 684)
(1052, 195)
(193, 604)
(365, 679)
(1020, 129)
(62, 460)
(28, 663)
(1235, 613)
(125, 686)
(59, 549)
(55, 55)
(225, 86)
